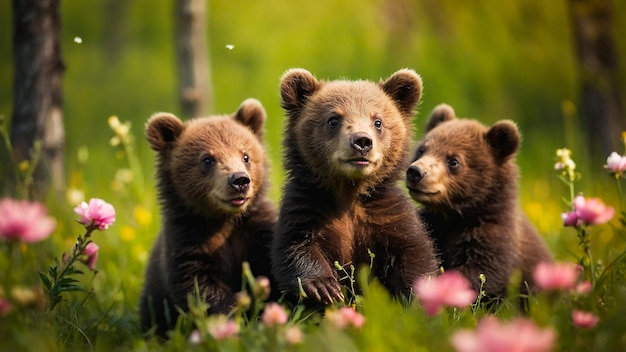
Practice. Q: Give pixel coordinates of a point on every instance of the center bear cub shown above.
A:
(211, 176)
(345, 145)
(465, 176)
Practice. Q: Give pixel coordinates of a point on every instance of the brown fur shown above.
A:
(341, 196)
(211, 220)
(465, 176)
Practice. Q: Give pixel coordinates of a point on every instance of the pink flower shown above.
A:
(520, 335)
(584, 319)
(261, 288)
(555, 276)
(570, 219)
(24, 221)
(293, 335)
(5, 307)
(344, 317)
(451, 289)
(97, 213)
(91, 251)
(274, 314)
(616, 163)
(223, 329)
(583, 287)
(195, 337)
(590, 211)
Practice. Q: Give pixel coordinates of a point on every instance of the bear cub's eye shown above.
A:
(333, 122)
(453, 163)
(420, 151)
(246, 158)
(207, 162)
(378, 124)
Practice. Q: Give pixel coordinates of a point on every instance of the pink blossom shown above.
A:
(223, 329)
(590, 211)
(345, 317)
(451, 289)
(293, 335)
(91, 251)
(555, 276)
(520, 335)
(616, 163)
(583, 287)
(5, 307)
(24, 221)
(195, 337)
(274, 314)
(261, 288)
(570, 219)
(584, 319)
(97, 213)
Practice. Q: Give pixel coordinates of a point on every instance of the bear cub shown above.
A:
(464, 175)
(346, 144)
(212, 175)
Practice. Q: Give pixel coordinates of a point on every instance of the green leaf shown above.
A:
(44, 279)
(71, 288)
(66, 281)
(52, 270)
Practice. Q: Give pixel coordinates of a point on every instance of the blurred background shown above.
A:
(490, 60)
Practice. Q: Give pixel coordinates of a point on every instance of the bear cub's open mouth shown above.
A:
(238, 201)
(420, 192)
(359, 162)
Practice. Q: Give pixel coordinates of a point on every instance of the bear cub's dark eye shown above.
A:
(207, 162)
(453, 163)
(378, 124)
(246, 158)
(420, 151)
(333, 122)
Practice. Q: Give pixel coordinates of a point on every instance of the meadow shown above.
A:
(513, 60)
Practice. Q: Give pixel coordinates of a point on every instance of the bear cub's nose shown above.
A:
(414, 174)
(239, 181)
(361, 142)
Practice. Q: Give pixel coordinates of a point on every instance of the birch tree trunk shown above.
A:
(602, 107)
(192, 57)
(38, 97)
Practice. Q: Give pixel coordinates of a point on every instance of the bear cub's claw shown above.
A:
(325, 290)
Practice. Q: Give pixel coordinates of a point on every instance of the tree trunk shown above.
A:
(602, 108)
(192, 57)
(38, 97)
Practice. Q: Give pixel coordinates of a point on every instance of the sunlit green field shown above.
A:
(490, 60)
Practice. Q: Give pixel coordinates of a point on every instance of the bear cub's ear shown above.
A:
(405, 88)
(252, 114)
(296, 86)
(162, 130)
(504, 139)
(441, 113)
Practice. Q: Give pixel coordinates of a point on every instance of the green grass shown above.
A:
(490, 60)
(104, 316)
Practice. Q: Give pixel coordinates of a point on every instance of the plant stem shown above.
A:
(584, 241)
(78, 249)
(571, 190)
(619, 192)
(7, 143)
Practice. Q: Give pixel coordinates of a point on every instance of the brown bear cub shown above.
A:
(346, 143)
(212, 175)
(465, 176)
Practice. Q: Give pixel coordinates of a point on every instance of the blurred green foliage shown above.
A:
(489, 59)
